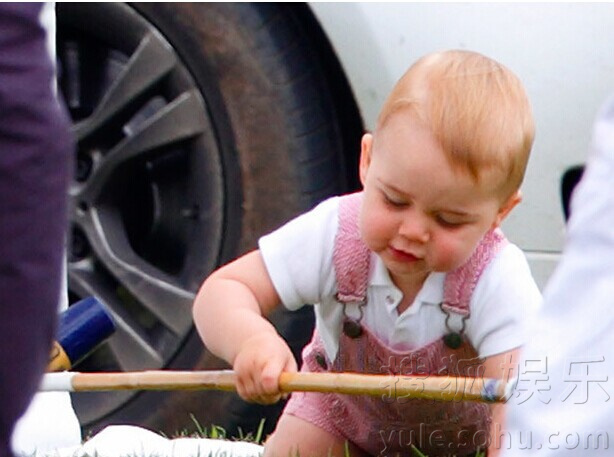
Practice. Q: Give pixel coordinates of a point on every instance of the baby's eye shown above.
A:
(396, 203)
(449, 222)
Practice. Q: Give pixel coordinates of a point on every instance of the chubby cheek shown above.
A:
(448, 253)
(375, 228)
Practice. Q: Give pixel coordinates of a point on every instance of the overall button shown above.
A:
(352, 329)
(453, 340)
(320, 360)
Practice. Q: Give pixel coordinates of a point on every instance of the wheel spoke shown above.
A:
(169, 303)
(128, 344)
(151, 61)
(177, 121)
(132, 353)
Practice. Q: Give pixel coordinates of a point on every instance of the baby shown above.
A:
(410, 276)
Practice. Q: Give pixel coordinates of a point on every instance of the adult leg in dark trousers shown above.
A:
(35, 163)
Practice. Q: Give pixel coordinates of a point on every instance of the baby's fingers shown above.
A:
(289, 367)
(259, 385)
(270, 379)
(246, 386)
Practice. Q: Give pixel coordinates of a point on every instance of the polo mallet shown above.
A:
(81, 329)
(444, 388)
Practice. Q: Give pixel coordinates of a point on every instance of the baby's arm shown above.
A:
(229, 313)
(501, 366)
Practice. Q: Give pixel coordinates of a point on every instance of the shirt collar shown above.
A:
(431, 291)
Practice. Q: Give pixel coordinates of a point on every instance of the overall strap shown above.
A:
(351, 257)
(460, 283)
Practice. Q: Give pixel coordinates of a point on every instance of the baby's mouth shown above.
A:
(402, 256)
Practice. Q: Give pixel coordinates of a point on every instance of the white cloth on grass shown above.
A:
(128, 440)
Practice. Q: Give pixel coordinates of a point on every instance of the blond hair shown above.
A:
(475, 107)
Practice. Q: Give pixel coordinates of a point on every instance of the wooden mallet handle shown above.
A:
(444, 388)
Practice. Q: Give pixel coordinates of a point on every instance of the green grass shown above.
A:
(217, 432)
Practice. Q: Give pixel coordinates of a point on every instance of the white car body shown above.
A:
(561, 52)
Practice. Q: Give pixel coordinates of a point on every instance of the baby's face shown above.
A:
(419, 214)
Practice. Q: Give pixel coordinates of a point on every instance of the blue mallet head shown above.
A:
(82, 327)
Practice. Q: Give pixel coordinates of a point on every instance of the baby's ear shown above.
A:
(507, 206)
(366, 146)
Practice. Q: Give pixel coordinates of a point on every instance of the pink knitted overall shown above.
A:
(388, 426)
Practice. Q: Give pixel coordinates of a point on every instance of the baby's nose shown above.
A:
(414, 227)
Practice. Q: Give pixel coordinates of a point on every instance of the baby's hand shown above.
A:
(260, 361)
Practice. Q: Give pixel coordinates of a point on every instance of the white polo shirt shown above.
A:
(299, 260)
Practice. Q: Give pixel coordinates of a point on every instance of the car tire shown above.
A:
(200, 127)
